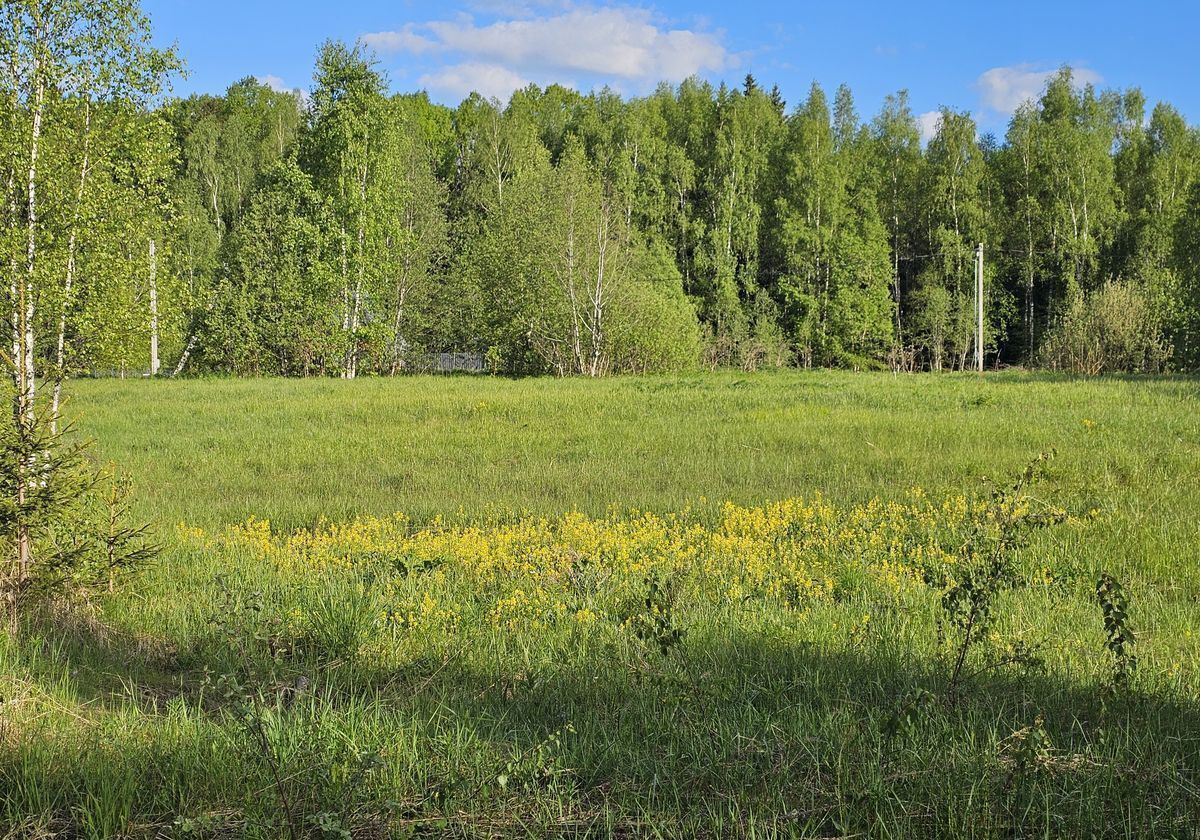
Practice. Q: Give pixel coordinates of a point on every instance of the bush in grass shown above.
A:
(1113, 329)
(76, 519)
(654, 326)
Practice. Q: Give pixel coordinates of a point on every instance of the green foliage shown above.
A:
(832, 247)
(78, 522)
(908, 715)
(1120, 640)
(538, 767)
(987, 567)
(537, 232)
(653, 621)
(1028, 750)
(654, 327)
(1185, 325)
(273, 312)
(958, 216)
(1111, 330)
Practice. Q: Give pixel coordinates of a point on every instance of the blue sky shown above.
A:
(982, 57)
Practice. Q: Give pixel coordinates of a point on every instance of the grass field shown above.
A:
(672, 607)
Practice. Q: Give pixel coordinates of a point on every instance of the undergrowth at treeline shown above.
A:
(800, 668)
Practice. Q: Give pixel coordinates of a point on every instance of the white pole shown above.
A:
(979, 307)
(154, 363)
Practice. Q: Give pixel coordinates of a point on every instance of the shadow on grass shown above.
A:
(737, 734)
(1021, 376)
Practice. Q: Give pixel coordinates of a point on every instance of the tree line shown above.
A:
(351, 231)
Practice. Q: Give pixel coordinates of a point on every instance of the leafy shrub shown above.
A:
(75, 517)
(654, 326)
(652, 621)
(1120, 640)
(987, 567)
(1112, 329)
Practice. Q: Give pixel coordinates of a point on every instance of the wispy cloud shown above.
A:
(277, 84)
(614, 44)
(928, 124)
(515, 8)
(460, 80)
(401, 40)
(273, 82)
(1004, 89)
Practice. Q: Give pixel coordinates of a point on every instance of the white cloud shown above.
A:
(459, 80)
(514, 8)
(278, 85)
(928, 124)
(401, 40)
(1004, 89)
(618, 42)
(273, 82)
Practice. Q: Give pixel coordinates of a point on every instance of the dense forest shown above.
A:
(350, 230)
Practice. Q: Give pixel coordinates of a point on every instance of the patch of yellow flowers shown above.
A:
(533, 571)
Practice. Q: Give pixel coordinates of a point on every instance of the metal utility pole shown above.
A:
(979, 307)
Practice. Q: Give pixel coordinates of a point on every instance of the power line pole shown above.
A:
(154, 362)
(979, 307)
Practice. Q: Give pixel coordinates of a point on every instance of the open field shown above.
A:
(294, 451)
(569, 632)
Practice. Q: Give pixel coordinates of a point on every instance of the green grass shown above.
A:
(220, 451)
(766, 720)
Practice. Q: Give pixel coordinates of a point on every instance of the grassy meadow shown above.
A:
(717, 605)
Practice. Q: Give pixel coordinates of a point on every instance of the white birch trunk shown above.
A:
(25, 385)
(345, 301)
(60, 355)
(397, 339)
(599, 291)
(572, 294)
(355, 311)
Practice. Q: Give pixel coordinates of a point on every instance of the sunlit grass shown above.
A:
(641, 607)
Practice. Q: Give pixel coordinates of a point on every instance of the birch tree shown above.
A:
(343, 152)
(728, 261)
(956, 221)
(1078, 134)
(1026, 229)
(898, 158)
(53, 52)
(1157, 189)
(808, 202)
(407, 224)
(279, 310)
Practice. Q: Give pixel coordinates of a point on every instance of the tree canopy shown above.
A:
(356, 230)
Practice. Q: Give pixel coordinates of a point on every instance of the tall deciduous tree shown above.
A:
(832, 253)
(1162, 165)
(956, 221)
(808, 203)
(1078, 134)
(279, 309)
(57, 57)
(343, 152)
(407, 225)
(899, 161)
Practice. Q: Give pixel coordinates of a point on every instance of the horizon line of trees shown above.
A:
(257, 232)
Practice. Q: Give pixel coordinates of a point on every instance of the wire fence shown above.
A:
(412, 362)
(444, 363)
